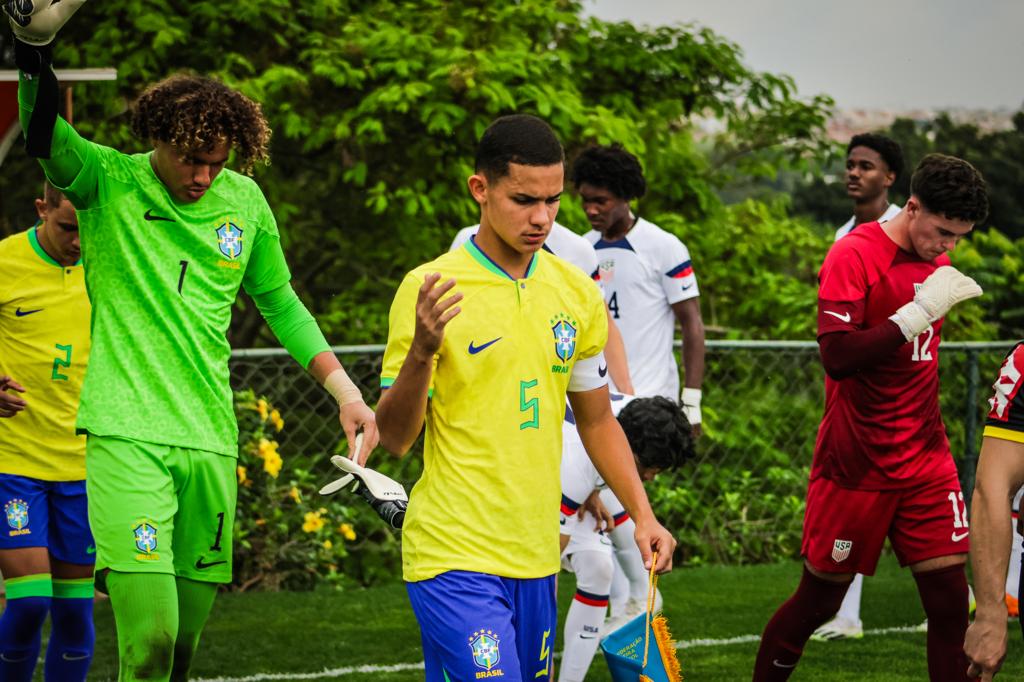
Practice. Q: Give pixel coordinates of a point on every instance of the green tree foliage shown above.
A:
(376, 108)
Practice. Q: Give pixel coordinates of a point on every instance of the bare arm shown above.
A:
(615, 354)
(353, 413)
(403, 406)
(999, 475)
(608, 449)
(688, 314)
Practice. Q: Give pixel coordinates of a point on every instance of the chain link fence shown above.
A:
(742, 500)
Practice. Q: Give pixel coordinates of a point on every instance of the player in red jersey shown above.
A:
(882, 465)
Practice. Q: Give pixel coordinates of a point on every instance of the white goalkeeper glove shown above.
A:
(943, 289)
(386, 496)
(690, 401)
(36, 22)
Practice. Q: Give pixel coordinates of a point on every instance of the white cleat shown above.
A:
(839, 628)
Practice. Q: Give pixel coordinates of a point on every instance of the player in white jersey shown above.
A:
(647, 277)
(660, 439)
(568, 245)
(873, 163)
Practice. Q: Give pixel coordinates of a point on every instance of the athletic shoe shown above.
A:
(1012, 607)
(839, 628)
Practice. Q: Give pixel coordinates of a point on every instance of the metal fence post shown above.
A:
(970, 427)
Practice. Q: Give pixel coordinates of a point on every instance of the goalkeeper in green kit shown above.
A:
(168, 237)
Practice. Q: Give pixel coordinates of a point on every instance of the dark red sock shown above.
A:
(944, 597)
(813, 603)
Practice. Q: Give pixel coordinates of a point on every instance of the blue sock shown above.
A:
(28, 602)
(72, 635)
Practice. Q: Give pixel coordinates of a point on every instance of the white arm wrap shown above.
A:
(341, 387)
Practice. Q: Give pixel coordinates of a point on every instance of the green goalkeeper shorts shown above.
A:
(160, 509)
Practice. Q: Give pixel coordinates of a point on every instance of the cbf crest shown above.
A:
(145, 537)
(484, 645)
(564, 328)
(17, 516)
(229, 239)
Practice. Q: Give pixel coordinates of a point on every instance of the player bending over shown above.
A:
(484, 344)
(882, 465)
(660, 439)
(168, 238)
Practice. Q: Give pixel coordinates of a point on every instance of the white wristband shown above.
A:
(341, 387)
(912, 319)
(690, 399)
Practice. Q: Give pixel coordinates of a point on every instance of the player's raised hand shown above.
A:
(985, 645)
(10, 404)
(356, 418)
(939, 292)
(433, 313)
(36, 22)
(651, 537)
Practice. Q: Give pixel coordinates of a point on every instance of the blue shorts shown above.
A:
(477, 626)
(49, 514)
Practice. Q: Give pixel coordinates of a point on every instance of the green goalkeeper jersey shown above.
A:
(162, 277)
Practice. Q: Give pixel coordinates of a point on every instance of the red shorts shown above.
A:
(845, 528)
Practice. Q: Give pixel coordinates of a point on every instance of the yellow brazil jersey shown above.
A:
(44, 346)
(493, 441)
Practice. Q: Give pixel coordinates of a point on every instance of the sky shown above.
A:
(872, 54)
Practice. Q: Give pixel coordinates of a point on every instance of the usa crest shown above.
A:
(565, 337)
(229, 240)
(145, 537)
(17, 513)
(484, 644)
(841, 550)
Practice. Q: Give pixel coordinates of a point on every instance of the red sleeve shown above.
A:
(1006, 406)
(842, 290)
(844, 354)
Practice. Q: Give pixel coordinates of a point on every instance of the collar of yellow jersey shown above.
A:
(485, 260)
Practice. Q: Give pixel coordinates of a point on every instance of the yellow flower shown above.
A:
(266, 448)
(241, 475)
(272, 463)
(275, 419)
(262, 408)
(312, 522)
(261, 522)
(294, 494)
(347, 532)
(328, 544)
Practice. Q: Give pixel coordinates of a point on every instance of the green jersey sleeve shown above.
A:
(267, 269)
(292, 323)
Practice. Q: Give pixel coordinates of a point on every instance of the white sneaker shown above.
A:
(839, 628)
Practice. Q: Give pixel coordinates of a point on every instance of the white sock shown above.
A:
(1013, 574)
(627, 556)
(586, 613)
(850, 608)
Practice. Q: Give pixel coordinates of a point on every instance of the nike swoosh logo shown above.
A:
(585, 637)
(90, 550)
(200, 564)
(473, 350)
(68, 657)
(684, 287)
(844, 318)
(601, 371)
(776, 663)
(148, 215)
(22, 313)
(957, 537)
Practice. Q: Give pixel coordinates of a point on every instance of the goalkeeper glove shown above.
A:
(943, 289)
(386, 496)
(36, 22)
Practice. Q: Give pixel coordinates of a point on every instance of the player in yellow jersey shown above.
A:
(486, 364)
(46, 549)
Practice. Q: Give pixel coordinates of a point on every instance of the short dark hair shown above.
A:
(51, 195)
(611, 168)
(519, 138)
(950, 187)
(888, 148)
(658, 432)
(196, 113)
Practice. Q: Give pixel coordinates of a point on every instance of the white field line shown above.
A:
(329, 673)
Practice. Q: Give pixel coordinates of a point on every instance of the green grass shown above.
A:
(309, 632)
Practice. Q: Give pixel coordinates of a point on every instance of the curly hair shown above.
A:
(196, 113)
(657, 431)
(950, 187)
(888, 148)
(611, 168)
